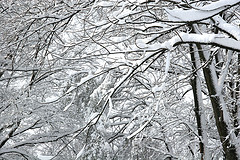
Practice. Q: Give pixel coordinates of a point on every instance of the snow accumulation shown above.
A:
(162, 87)
(119, 39)
(218, 4)
(124, 13)
(217, 39)
(158, 89)
(73, 97)
(200, 13)
(231, 29)
(41, 157)
(51, 98)
(105, 4)
(141, 43)
(80, 152)
(157, 24)
(138, 1)
(93, 117)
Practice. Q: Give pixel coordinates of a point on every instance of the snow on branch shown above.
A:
(18, 151)
(208, 39)
(234, 31)
(200, 13)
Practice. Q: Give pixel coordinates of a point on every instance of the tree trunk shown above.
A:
(235, 93)
(198, 106)
(219, 109)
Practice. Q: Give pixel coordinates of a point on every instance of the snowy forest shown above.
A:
(119, 79)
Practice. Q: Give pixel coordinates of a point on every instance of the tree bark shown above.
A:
(198, 107)
(217, 102)
(236, 96)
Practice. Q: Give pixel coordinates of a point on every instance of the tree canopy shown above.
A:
(120, 79)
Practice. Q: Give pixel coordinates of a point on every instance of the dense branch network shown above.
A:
(111, 79)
